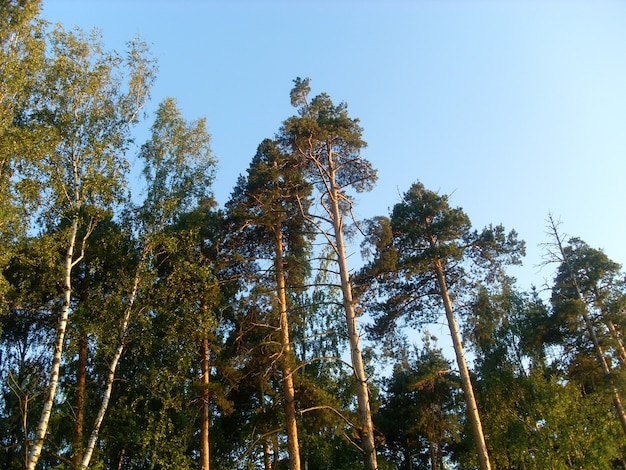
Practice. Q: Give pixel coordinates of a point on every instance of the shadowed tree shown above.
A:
(267, 206)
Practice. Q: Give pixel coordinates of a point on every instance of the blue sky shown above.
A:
(516, 108)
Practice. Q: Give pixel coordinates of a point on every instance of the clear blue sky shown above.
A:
(517, 108)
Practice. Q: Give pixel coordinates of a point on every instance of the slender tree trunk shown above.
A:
(267, 456)
(79, 407)
(617, 340)
(363, 399)
(293, 447)
(42, 427)
(120, 459)
(617, 401)
(619, 345)
(204, 427)
(91, 444)
(466, 383)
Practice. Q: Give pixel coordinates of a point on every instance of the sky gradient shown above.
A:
(517, 109)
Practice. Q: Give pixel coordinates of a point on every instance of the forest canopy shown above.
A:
(168, 331)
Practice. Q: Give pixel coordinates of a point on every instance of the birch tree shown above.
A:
(179, 169)
(92, 99)
(21, 56)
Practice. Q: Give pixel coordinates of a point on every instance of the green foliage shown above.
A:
(184, 273)
(178, 166)
(327, 140)
(419, 417)
(399, 283)
(269, 204)
(87, 115)
(536, 414)
(21, 57)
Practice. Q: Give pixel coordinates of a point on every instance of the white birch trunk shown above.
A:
(42, 427)
(93, 438)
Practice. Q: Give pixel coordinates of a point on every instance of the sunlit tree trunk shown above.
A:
(617, 340)
(619, 344)
(617, 401)
(42, 427)
(466, 383)
(286, 357)
(267, 454)
(362, 391)
(204, 428)
(329, 144)
(120, 460)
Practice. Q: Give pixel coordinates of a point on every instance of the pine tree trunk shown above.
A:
(120, 460)
(267, 456)
(204, 427)
(363, 399)
(42, 427)
(466, 383)
(79, 407)
(293, 447)
(619, 345)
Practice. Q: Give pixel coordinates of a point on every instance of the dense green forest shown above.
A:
(167, 331)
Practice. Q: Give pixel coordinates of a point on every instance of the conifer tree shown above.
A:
(576, 291)
(266, 204)
(328, 143)
(419, 267)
